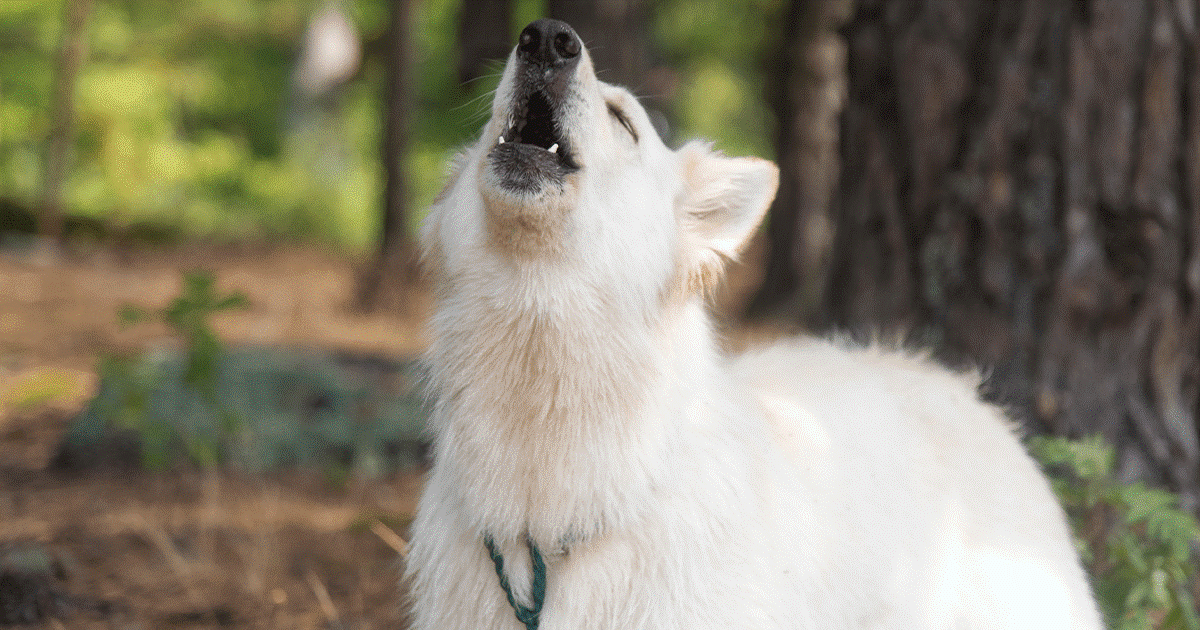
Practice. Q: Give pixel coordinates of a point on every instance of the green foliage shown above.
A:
(188, 317)
(255, 408)
(720, 50)
(1136, 540)
(184, 120)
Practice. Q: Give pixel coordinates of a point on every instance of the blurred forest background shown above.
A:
(1015, 185)
(226, 119)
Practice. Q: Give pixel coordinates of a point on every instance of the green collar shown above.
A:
(526, 615)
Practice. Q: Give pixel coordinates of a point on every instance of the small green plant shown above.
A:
(1136, 540)
(187, 315)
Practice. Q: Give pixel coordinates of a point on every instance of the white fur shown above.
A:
(581, 400)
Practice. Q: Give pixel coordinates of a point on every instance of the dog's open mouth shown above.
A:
(532, 150)
(532, 122)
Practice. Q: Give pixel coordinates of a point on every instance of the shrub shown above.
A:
(187, 315)
(1135, 540)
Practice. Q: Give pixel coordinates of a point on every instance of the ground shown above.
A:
(122, 548)
(185, 549)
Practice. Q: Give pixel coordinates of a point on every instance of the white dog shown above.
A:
(600, 464)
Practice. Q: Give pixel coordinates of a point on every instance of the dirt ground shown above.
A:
(127, 549)
(132, 550)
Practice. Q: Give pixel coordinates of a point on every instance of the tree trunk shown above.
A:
(62, 131)
(386, 281)
(616, 35)
(484, 37)
(807, 91)
(1020, 188)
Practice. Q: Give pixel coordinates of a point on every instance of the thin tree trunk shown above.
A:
(62, 131)
(807, 92)
(392, 271)
(484, 37)
(616, 35)
(618, 38)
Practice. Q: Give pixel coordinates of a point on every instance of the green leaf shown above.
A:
(129, 315)
(1135, 620)
(1186, 609)
(1137, 595)
(1177, 529)
(1160, 594)
(231, 422)
(1142, 502)
(176, 315)
(204, 451)
(156, 445)
(198, 286)
(1129, 548)
(1093, 457)
(9, 8)
(1090, 458)
(234, 301)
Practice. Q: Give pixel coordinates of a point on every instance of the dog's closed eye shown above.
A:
(619, 115)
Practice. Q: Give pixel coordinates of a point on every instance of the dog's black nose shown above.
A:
(549, 42)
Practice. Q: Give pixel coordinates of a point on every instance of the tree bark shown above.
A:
(1020, 188)
(807, 91)
(616, 37)
(484, 37)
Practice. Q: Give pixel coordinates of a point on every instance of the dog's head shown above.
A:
(570, 172)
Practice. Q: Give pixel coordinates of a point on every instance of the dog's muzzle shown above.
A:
(532, 149)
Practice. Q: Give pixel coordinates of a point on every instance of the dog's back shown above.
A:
(950, 522)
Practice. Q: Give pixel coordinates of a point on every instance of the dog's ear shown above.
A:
(722, 202)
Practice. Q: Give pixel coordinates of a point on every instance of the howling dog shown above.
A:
(600, 464)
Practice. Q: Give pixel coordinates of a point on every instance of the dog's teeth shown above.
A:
(501, 139)
(554, 149)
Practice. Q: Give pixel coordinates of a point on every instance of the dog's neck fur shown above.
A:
(547, 394)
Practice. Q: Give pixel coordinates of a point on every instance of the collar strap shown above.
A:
(526, 615)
